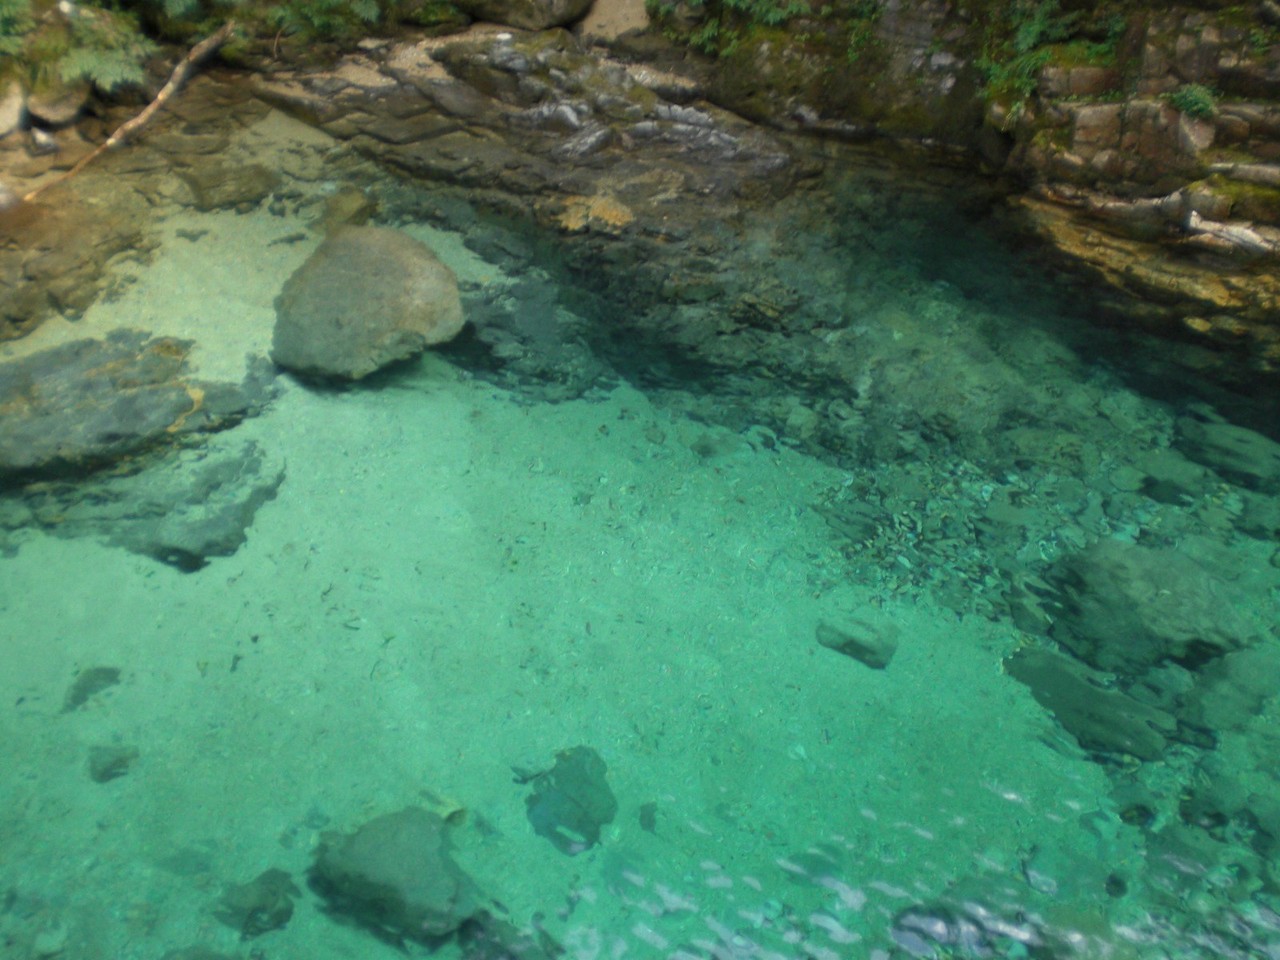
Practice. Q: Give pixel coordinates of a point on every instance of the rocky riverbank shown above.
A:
(1167, 207)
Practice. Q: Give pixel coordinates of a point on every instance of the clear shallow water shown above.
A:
(627, 531)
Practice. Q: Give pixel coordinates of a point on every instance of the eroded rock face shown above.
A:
(577, 142)
(367, 297)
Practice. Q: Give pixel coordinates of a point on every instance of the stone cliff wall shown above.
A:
(1147, 137)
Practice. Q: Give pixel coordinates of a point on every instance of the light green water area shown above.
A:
(965, 647)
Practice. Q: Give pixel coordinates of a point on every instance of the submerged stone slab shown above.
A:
(182, 509)
(367, 297)
(87, 403)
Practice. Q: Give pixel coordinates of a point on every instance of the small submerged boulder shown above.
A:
(396, 876)
(263, 904)
(367, 297)
(862, 639)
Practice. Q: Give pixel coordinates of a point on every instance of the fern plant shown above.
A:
(15, 23)
(106, 48)
(323, 19)
(1195, 100)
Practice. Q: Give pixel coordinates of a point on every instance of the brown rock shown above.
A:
(367, 297)
(1096, 126)
(1091, 81)
(220, 186)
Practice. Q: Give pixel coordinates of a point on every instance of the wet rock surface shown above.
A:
(90, 402)
(181, 509)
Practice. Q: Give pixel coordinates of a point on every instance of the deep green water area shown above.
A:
(871, 594)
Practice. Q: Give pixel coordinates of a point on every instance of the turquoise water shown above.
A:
(885, 603)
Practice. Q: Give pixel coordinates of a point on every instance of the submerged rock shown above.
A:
(868, 643)
(1235, 452)
(396, 876)
(367, 297)
(88, 684)
(263, 904)
(219, 187)
(180, 510)
(87, 403)
(53, 257)
(1101, 719)
(1125, 608)
(110, 761)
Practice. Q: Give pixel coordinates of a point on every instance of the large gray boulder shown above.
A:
(527, 14)
(367, 297)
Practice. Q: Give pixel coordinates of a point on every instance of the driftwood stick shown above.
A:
(199, 52)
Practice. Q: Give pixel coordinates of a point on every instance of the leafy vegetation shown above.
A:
(107, 42)
(721, 24)
(47, 45)
(15, 24)
(1025, 36)
(863, 16)
(1195, 100)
